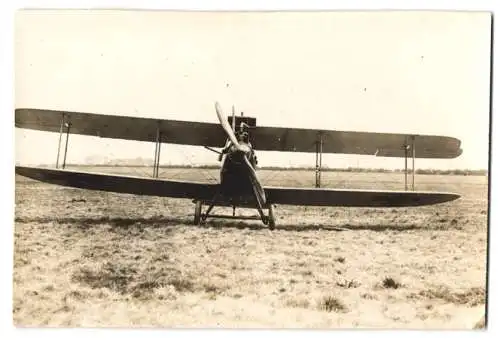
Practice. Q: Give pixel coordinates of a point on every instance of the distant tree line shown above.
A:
(464, 172)
(461, 172)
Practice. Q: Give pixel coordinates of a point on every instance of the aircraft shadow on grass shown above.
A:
(163, 221)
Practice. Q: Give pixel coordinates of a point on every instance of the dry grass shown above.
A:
(389, 282)
(332, 304)
(86, 258)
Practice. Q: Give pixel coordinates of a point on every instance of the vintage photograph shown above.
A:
(318, 170)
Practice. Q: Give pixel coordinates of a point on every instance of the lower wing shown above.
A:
(204, 191)
(120, 183)
(355, 198)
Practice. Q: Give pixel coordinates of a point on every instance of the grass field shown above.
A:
(87, 258)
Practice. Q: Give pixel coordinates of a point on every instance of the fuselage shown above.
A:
(238, 177)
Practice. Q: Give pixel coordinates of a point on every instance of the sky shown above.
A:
(402, 72)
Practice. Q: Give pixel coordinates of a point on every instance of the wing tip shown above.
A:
(444, 197)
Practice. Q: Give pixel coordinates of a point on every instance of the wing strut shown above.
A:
(319, 159)
(156, 162)
(413, 150)
(68, 127)
(413, 163)
(60, 137)
(406, 146)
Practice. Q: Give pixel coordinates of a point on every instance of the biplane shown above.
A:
(236, 138)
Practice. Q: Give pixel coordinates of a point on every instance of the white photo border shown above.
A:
(7, 12)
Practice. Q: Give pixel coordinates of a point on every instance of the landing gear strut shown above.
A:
(200, 217)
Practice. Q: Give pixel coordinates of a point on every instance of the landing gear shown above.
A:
(270, 217)
(197, 212)
(200, 217)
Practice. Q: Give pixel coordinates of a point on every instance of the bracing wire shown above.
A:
(208, 175)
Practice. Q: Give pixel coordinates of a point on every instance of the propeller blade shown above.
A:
(229, 131)
(257, 187)
(234, 121)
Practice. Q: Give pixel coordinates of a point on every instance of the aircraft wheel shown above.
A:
(272, 222)
(197, 213)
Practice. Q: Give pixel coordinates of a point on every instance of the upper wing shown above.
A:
(121, 184)
(263, 138)
(354, 198)
(353, 142)
(123, 127)
(206, 192)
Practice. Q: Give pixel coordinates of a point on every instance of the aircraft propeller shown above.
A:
(229, 131)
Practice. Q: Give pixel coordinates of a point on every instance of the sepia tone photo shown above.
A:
(320, 170)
